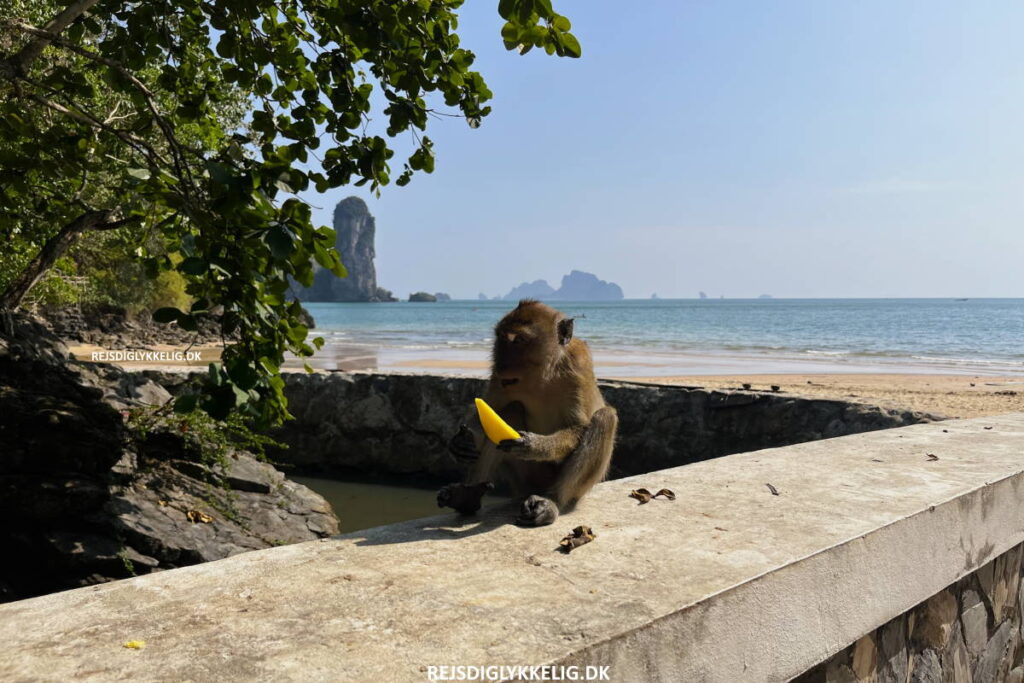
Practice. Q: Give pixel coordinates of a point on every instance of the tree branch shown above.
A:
(54, 248)
(180, 164)
(21, 61)
(82, 117)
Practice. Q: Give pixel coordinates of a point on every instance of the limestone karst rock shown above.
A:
(538, 289)
(576, 286)
(356, 231)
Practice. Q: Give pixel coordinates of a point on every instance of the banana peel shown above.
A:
(496, 429)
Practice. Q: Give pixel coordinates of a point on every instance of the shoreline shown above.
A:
(962, 393)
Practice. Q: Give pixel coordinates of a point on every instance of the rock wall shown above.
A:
(401, 424)
(971, 632)
(356, 231)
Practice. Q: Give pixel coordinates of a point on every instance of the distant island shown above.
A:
(576, 286)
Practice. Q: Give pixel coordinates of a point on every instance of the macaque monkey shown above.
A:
(542, 384)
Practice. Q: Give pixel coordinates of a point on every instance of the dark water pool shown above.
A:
(361, 505)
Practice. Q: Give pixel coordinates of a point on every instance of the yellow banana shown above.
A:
(497, 430)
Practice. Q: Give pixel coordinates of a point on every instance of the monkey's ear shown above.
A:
(565, 326)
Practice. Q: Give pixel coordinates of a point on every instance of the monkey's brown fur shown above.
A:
(542, 383)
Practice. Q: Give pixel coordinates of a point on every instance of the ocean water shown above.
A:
(689, 336)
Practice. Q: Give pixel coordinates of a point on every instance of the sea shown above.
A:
(679, 337)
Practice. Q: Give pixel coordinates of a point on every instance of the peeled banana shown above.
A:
(495, 428)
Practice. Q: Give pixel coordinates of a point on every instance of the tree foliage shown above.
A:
(127, 116)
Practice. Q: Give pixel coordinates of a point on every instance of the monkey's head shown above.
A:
(529, 340)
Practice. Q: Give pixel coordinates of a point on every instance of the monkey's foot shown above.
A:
(537, 511)
(462, 498)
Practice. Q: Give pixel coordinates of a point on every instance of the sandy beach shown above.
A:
(950, 395)
(953, 395)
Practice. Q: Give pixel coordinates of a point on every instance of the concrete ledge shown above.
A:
(727, 583)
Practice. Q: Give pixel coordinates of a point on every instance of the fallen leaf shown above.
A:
(581, 535)
(643, 495)
(876, 460)
(988, 428)
(197, 516)
(665, 492)
(774, 490)
(135, 644)
(932, 457)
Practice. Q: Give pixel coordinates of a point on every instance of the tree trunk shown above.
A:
(51, 251)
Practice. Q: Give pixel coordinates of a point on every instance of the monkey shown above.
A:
(542, 384)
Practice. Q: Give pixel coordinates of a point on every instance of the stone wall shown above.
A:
(401, 423)
(970, 632)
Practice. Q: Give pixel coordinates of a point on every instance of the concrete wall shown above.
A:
(732, 581)
(401, 423)
(970, 631)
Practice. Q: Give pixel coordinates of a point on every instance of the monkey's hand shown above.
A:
(463, 445)
(528, 446)
(462, 498)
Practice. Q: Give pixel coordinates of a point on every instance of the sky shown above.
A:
(798, 149)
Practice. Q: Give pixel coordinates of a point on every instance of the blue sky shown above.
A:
(800, 149)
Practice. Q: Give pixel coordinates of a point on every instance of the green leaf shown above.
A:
(186, 403)
(571, 45)
(280, 242)
(140, 173)
(166, 315)
(194, 266)
(188, 322)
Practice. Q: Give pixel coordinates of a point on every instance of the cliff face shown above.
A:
(356, 230)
